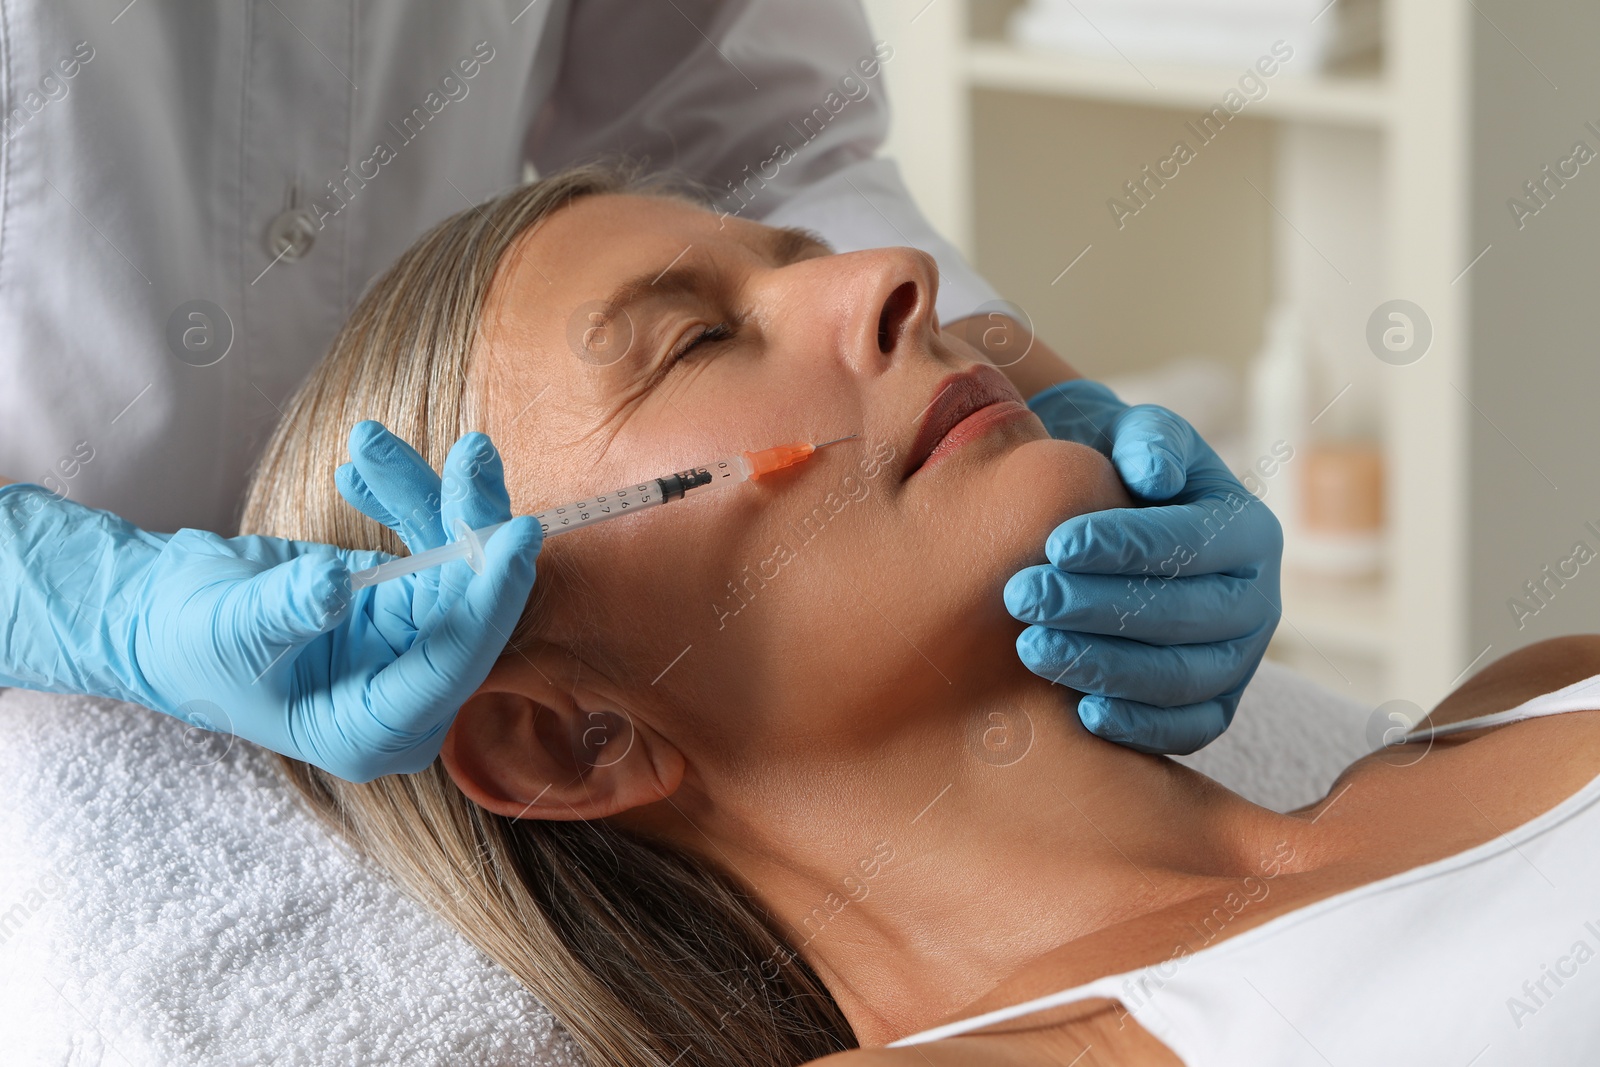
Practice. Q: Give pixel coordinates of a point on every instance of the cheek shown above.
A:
(777, 591)
(670, 577)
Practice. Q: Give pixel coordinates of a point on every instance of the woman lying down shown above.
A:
(772, 827)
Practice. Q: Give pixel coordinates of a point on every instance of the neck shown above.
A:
(990, 834)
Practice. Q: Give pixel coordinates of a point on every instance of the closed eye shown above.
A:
(705, 335)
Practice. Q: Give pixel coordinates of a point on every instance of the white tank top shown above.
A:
(1487, 957)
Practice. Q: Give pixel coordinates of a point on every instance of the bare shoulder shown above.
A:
(1513, 772)
(1519, 676)
(1512, 679)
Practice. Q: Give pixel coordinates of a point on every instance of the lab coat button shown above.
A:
(291, 234)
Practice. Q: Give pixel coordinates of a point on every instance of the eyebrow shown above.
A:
(785, 245)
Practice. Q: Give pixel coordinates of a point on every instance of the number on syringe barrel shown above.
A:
(586, 510)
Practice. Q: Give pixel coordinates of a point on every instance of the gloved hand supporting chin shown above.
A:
(1160, 614)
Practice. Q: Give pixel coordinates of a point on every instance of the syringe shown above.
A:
(468, 544)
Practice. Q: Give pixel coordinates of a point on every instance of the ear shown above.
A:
(545, 738)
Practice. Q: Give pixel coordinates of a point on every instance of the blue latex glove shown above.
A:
(261, 637)
(1159, 614)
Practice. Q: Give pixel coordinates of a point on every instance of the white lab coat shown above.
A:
(149, 151)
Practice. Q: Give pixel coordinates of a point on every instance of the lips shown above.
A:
(957, 396)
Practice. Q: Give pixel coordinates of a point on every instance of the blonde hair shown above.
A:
(646, 956)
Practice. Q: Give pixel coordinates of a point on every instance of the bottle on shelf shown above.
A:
(1278, 424)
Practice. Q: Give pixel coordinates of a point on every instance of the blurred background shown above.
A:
(1353, 242)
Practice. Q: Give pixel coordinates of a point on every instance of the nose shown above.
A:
(897, 288)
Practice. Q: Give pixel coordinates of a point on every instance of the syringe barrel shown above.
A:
(581, 513)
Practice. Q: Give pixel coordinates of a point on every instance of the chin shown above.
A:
(1042, 483)
(1007, 507)
(990, 521)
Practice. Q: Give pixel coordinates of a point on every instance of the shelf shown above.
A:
(1336, 617)
(1355, 99)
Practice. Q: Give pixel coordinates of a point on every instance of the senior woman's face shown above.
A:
(627, 336)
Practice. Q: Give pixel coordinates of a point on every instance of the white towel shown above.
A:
(165, 901)
(1289, 740)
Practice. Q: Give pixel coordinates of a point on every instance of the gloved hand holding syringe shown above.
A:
(261, 636)
(469, 542)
